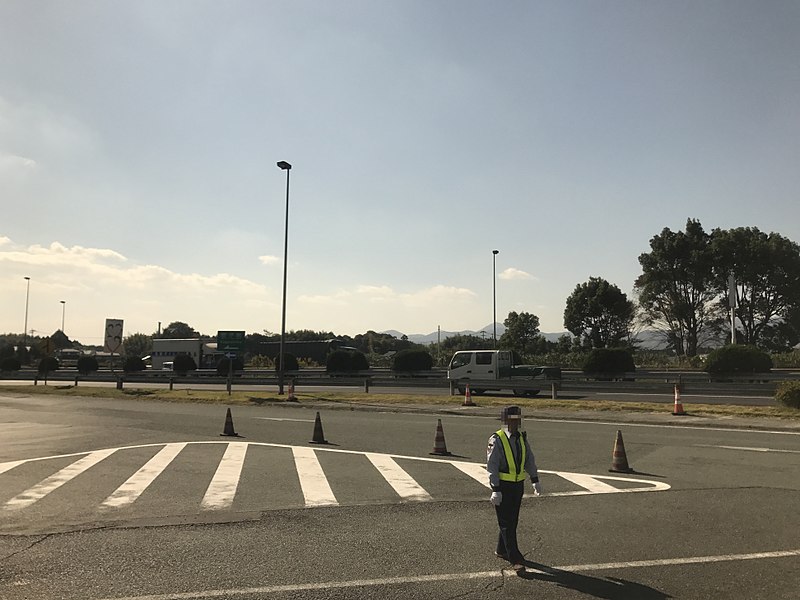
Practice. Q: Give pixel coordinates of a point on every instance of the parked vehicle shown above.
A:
(492, 370)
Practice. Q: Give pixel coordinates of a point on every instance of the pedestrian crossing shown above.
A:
(189, 477)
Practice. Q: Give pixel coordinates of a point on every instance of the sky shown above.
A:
(139, 142)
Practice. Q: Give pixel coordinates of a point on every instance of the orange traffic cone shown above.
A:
(619, 462)
(439, 445)
(678, 409)
(228, 431)
(467, 397)
(292, 397)
(319, 437)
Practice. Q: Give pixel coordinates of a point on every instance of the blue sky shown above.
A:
(138, 143)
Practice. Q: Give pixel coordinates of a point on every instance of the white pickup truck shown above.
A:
(491, 370)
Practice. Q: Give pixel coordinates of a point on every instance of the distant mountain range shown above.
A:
(487, 332)
(647, 339)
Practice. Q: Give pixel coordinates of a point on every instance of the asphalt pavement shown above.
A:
(104, 499)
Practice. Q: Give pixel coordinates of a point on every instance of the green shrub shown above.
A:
(10, 364)
(788, 393)
(47, 365)
(183, 363)
(412, 360)
(738, 359)
(87, 364)
(786, 360)
(224, 366)
(133, 364)
(609, 362)
(289, 363)
(346, 361)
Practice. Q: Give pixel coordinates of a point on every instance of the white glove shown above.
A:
(497, 498)
(537, 489)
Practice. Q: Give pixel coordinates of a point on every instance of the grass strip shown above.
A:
(400, 400)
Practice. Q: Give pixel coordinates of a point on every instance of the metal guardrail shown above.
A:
(571, 382)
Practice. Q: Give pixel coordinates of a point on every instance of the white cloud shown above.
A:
(13, 163)
(512, 273)
(98, 283)
(269, 260)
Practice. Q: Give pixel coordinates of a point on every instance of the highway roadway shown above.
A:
(137, 500)
(663, 394)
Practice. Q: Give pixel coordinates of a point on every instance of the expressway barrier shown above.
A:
(572, 382)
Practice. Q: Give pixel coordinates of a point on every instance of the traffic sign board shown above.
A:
(230, 341)
(47, 346)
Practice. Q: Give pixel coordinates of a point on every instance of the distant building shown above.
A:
(205, 354)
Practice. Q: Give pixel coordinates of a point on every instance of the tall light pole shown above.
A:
(63, 312)
(27, 296)
(285, 166)
(494, 294)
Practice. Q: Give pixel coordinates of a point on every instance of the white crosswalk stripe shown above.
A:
(141, 480)
(222, 489)
(314, 482)
(55, 481)
(316, 489)
(395, 476)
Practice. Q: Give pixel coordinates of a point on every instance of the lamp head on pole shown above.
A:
(284, 165)
(495, 252)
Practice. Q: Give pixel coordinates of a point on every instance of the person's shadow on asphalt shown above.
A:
(610, 588)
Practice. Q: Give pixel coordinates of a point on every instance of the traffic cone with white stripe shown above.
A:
(229, 431)
(619, 460)
(678, 409)
(439, 445)
(319, 437)
(467, 397)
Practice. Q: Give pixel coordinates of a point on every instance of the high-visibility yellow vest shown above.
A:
(515, 471)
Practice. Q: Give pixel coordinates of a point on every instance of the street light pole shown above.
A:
(63, 312)
(285, 166)
(494, 294)
(27, 296)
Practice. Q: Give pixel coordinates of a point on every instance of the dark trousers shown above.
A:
(508, 517)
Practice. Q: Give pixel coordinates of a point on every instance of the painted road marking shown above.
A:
(747, 448)
(222, 489)
(588, 482)
(665, 426)
(316, 489)
(129, 491)
(496, 574)
(395, 476)
(56, 480)
(314, 483)
(279, 419)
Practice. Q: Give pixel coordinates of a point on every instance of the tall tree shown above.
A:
(766, 270)
(676, 290)
(137, 345)
(178, 330)
(521, 332)
(600, 312)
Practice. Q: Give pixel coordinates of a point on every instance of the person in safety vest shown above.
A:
(508, 459)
